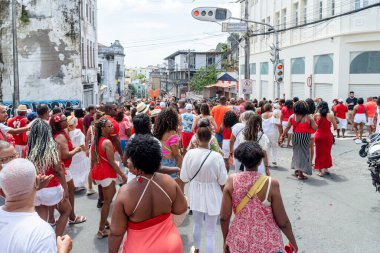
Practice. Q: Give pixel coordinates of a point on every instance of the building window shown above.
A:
(263, 28)
(87, 11)
(332, 7)
(296, 14)
(82, 52)
(284, 19)
(277, 20)
(210, 60)
(365, 62)
(320, 9)
(264, 68)
(360, 4)
(88, 54)
(323, 64)
(252, 68)
(242, 70)
(298, 66)
(93, 53)
(305, 11)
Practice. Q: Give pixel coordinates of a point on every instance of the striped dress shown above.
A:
(301, 146)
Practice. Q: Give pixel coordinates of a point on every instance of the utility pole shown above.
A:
(247, 46)
(16, 88)
(188, 71)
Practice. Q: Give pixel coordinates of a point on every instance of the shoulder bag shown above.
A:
(200, 166)
(256, 187)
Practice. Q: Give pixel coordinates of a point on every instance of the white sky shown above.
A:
(151, 30)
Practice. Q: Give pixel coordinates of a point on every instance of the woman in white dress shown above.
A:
(253, 131)
(80, 165)
(272, 127)
(205, 172)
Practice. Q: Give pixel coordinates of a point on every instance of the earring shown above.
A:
(139, 179)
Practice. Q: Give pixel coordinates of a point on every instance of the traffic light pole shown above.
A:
(277, 59)
(247, 46)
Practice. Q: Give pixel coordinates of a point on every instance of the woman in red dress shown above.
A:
(324, 139)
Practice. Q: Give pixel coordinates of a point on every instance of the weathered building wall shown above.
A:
(48, 50)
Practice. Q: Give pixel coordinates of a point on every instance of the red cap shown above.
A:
(157, 107)
(151, 103)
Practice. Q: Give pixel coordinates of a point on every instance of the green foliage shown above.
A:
(132, 90)
(140, 76)
(24, 16)
(204, 76)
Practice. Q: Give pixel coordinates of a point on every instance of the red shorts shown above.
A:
(186, 138)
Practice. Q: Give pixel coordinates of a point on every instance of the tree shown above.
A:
(203, 77)
(140, 76)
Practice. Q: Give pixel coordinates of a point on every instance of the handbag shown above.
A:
(256, 187)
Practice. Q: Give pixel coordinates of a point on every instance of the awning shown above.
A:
(222, 85)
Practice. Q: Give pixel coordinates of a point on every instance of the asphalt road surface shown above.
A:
(337, 213)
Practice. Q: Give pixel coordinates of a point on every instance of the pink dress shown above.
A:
(254, 228)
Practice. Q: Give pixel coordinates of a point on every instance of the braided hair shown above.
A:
(42, 149)
(98, 134)
(253, 127)
(166, 121)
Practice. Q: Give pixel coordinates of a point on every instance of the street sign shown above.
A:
(234, 27)
(310, 81)
(246, 87)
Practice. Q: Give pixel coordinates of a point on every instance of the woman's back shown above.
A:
(324, 125)
(254, 228)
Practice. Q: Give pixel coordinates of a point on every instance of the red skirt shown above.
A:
(323, 146)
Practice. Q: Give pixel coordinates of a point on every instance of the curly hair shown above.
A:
(230, 119)
(253, 127)
(42, 149)
(301, 108)
(323, 108)
(166, 121)
(142, 124)
(56, 127)
(249, 154)
(98, 134)
(145, 153)
(310, 102)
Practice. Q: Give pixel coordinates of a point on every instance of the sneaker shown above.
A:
(100, 204)
(90, 192)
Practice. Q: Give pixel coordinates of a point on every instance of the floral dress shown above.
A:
(254, 228)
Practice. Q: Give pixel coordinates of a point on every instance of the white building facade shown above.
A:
(338, 54)
(111, 68)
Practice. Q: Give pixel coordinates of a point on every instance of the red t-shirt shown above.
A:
(371, 109)
(286, 113)
(340, 111)
(227, 134)
(116, 127)
(18, 122)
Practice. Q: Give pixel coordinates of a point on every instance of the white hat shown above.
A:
(22, 108)
(162, 105)
(189, 107)
(155, 112)
(340, 100)
(142, 108)
(18, 177)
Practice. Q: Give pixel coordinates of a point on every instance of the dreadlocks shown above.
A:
(98, 134)
(42, 149)
(166, 121)
(253, 127)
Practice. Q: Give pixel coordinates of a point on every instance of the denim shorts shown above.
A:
(219, 138)
(123, 144)
(170, 163)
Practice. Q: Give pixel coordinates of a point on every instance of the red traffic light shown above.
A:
(196, 13)
(279, 66)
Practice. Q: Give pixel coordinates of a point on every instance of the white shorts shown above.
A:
(49, 196)
(342, 123)
(284, 124)
(68, 176)
(105, 182)
(370, 122)
(360, 118)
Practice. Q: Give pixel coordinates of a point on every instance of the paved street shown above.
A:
(339, 213)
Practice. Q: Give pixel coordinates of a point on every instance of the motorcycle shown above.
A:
(371, 150)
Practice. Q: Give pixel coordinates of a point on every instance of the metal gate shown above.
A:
(324, 91)
(365, 90)
(88, 97)
(298, 90)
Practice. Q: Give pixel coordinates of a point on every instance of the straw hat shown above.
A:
(22, 108)
(142, 108)
(155, 112)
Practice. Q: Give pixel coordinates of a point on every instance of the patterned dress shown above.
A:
(254, 228)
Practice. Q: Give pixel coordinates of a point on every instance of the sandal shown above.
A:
(78, 220)
(103, 234)
(301, 176)
(326, 172)
(320, 174)
(296, 173)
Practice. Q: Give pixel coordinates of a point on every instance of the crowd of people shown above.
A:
(140, 155)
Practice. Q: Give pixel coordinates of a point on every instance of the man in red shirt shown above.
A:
(371, 110)
(340, 111)
(19, 121)
(218, 113)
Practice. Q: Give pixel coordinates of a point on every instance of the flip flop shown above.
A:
(103, 234)
(320, 174)
(78, 220)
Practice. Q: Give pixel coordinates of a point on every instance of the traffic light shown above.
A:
(211, 14)
(279, 73)
(274, 53)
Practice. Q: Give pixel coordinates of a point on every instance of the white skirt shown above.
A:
(79, 169)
